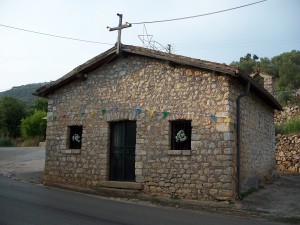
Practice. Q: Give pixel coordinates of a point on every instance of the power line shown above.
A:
(205, 14)
(284, 37)
(157, 21)
(53, 35)
(235, 43)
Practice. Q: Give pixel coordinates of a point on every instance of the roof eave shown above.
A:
(267, 96)
(80, 72)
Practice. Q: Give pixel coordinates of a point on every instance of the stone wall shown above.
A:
(257, 139)
(206, 171)
(288, 153)
(265, 80)
(288, 113)
(287, 146)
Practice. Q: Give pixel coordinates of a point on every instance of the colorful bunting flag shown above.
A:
(212, 118)
(227, 120)
(138, 111)
(165, 114)
(150, 112)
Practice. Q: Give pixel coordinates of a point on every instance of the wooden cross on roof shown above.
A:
(119, 28)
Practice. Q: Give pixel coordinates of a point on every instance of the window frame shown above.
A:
(175, 127)
(72, 141)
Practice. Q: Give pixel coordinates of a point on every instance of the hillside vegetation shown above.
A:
(285, 68)
(22, 116)
(23, 93)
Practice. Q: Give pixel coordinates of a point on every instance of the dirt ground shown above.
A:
(24, 164)
(278, 200)
(282, 198)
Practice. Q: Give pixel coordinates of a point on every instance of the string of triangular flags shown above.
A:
(138, 111)
(152, 112)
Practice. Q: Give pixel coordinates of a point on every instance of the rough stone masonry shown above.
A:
(114, 91)
(288, 153)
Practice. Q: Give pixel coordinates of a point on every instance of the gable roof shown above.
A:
(102, 59)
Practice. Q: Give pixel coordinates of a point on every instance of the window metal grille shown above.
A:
(181, 132)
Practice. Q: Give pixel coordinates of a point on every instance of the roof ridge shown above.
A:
(173, 55)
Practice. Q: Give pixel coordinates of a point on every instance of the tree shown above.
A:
(284, 67)
(247, 64)
(12, 111)
(288, 69)
(39, 104)
(285, 95)
(34, 125)
(267, 65)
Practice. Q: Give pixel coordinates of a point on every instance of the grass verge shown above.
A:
(290, 127)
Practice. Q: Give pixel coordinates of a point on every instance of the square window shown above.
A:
(181, 132)
(75, 136)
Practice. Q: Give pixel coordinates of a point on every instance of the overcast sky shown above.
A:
(265, 29)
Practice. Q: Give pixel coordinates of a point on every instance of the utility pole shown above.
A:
(119, 29)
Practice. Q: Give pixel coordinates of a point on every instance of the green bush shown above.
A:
(34, 126)
(5, 142)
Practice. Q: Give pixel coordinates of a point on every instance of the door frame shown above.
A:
(126, 152)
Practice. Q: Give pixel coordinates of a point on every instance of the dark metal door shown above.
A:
(122, 151)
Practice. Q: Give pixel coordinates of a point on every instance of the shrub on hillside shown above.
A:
(34, 126)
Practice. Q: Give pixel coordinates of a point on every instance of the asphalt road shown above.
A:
(31, 204)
